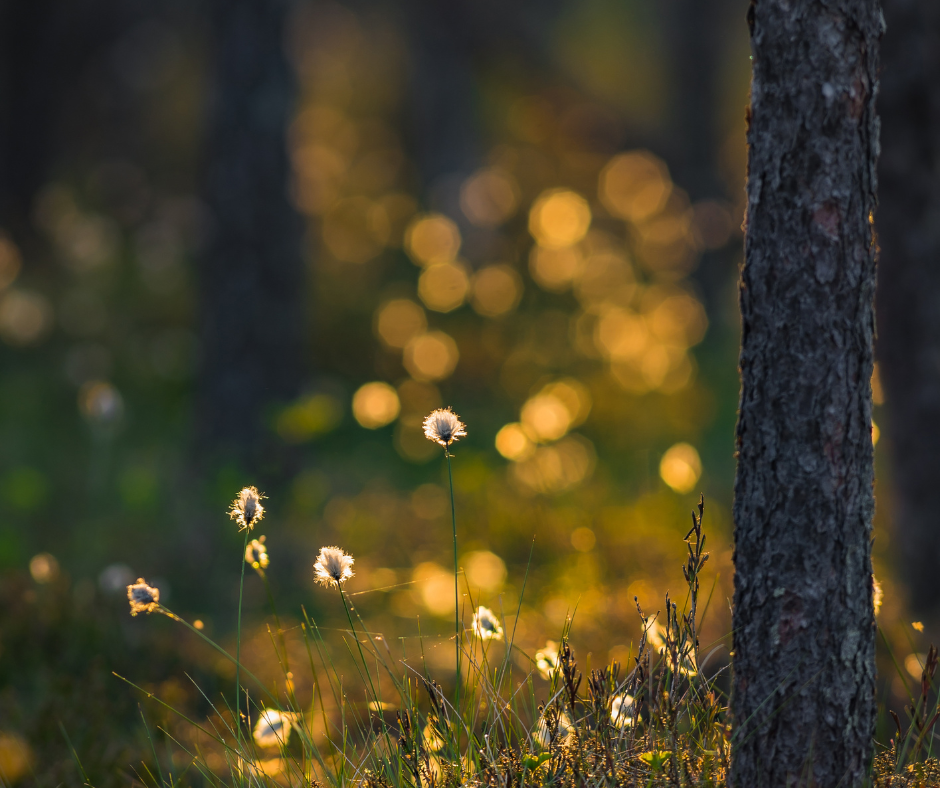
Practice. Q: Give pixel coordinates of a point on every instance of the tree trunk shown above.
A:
(804, 674)
(909, 285)
(251, 284)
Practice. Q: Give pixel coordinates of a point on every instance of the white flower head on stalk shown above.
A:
(273, 728)
(333, 567)
(485, 624)
(442, 426)
(656, 637)
(432, 739)
(621, 711)
(256, 554)
(564, 731)
(143, 598)
(246, 509)
(546, 660)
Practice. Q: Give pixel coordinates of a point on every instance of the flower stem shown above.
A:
(238, 647)
(453, 520)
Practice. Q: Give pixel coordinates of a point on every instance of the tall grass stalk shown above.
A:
(457, 637)
(238, 644)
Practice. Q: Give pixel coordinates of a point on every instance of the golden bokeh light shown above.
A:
(621, 334)
(431, 239)
(555, 269)
(875, 434)
(399, 321)
(678, 319)
(489, 197)
(681, 468)
(25, 317)
(634, 185)
(484, 570)
(375, 404)
(583, 539)
(559, 217)
(356, 229)
(432, 356)
(574, 395)
(554, 469)
(513, 443)
(607, 276)
(434, 588)
(10, 261)
(545, 417)
(444, 286)
(496, 290)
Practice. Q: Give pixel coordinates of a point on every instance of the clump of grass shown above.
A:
(660, 720)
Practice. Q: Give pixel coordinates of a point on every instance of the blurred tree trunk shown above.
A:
(804, 674)
(909, 284)
(251, 277)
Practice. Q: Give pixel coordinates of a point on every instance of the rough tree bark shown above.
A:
(251, 276)
(803, 697)
(909, 285)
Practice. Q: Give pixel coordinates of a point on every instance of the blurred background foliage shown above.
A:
(529, 211)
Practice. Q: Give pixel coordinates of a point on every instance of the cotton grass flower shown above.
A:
(246, 509)
(333, 567)
(143, 598)
(442, 426)
(564, 731)
(256, 554)
(621, 711)
(273, 728)
(485, 624)
(546, 660)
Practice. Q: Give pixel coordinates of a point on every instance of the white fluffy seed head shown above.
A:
(485, 624)
(246, 509)
(143, 598)
(333, 567)
(442, 426)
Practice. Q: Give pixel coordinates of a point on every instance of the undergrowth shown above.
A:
(660, 720)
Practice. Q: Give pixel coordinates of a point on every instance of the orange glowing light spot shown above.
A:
(875, 434)
(559, 218)
(397, 322)
(496, 290)
(431, 239)
(513, 443)
(583, 539)
(432, 356)
(545, 417)
(681, 467)
(555, 269)
(634, 185)
(556, 468)
(607, 276)
(444, 286)
(375, 404)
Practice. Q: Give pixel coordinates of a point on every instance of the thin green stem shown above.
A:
(453, 520)
(238, 647)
